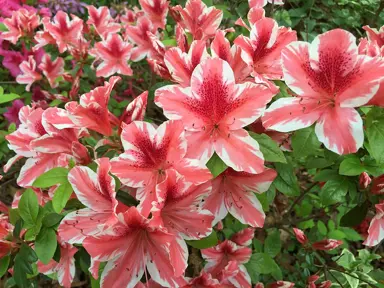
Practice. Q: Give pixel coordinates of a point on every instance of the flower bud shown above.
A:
(300, 236)
(281, 284)
(327, 244)
(364, 180)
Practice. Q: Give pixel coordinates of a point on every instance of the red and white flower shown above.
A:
(376, 228)
(225, 258)
(181, 65)
(100, 19)
(262, 51)
(262, 3)
(150, 154)
(92, 112)
(179, 207)
(135, 110)
(156, 11)
(97, 192)
(221, 48)
(233, 192)
(28, 75)
(331, 79)
(66, 32)
(114, 54)
(139, 35)
(133, 246)
(22, 23)
(214, 110)
(52, 69)
(199, 20)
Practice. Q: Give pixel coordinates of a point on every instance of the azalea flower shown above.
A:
(92, 112)
(226, 257)
(375, 35)
(135, 110)
(262, 51)
(378, 185)
(139, 36)
(44, 145)
(100, 19)
(22, 23)
(29, 74)
(66, 32)
(214, 110)
(376, 228)
(243, 237)
(114, 54)
(331, 79)
(134, 246)
(97, 192)
(156, 11)
(149, 156)
(203, 280)
(262, 3)
(52, 69)
(181, 65)
(65, 269)
(221, 48)
(374, 47)
(233, 192)
(12, 113)
(178, 210)
(199, 20)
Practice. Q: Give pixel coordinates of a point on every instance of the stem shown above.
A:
(301, 197)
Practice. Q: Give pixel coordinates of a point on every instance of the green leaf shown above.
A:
(351, 234)
(326, 175)
(322, 228)
(272, 244)
(61, 196)
(216, 165)
(29, 208)
(3, 28)
(305, 142)
(336, 234)
(204, 243)
(4, 263)
(52, 177)
(52, 219)
(333, 192)
(351, 166)
(45, 244)
(375, 133)
(8, 97)
(269, 148)
(355, 216)
(286, 180)
(346, 259)
(353, 281)
(22, 265)
(261, 263)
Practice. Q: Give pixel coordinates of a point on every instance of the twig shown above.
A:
(298, 199)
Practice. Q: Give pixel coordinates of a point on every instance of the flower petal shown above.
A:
(341, 130)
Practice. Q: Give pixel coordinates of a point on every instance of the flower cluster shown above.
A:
(217, 98)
